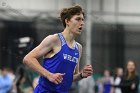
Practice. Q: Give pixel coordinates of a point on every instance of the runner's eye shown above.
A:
(78, 19)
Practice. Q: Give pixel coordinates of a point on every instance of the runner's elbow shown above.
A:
(25, 60)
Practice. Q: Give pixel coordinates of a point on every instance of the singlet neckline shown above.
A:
(67, 43)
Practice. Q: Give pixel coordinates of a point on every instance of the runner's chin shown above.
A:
(78, 32)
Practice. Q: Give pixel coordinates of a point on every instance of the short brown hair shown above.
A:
(68, 13)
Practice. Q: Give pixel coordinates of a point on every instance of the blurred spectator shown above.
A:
(99, 84)
(12, 76)
(23, 80)
(117, 80)
(5, 80)
(87, 85)
(107, 82)
(130, 80)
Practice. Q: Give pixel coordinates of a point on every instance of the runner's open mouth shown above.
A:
(80, 28)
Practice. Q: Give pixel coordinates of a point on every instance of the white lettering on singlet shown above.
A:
(70, 58)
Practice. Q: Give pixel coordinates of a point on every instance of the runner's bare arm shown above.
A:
(77, 76)
(86, 71)
(31, 59)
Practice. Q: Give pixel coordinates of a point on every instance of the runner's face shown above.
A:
(76, 24)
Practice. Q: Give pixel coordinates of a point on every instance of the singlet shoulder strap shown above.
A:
(76, 46)
(63, 42)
